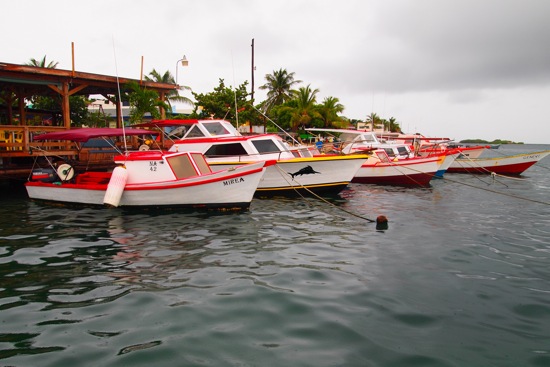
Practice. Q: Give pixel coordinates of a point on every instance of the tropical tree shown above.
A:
(142, 101)
(279, 86)
(78, 103)
(172, 96)
(42, 63)
(393, 125)
(221, 103)
(302, 107)
(375, 121)
(329, 110)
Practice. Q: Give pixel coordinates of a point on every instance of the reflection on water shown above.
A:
(460, 278)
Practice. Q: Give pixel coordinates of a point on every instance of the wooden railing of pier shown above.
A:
(17, 141)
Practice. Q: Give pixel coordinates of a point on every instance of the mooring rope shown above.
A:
(485, 170)
(284, 175)
(496, 192)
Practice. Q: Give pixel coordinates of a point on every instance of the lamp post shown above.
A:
(184, 62)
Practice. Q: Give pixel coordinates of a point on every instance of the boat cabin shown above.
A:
(155, 166)
(220, 141)
(357, 141)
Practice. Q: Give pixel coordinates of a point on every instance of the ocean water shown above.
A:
(460, 278)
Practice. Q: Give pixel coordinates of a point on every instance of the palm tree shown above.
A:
(329, 111)
(42, 63)
(279, 86)
(143, 100)
(394, 125)
(304, 108)
(172, 96)
(374, 120)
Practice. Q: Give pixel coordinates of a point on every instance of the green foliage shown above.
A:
(42, 63)
(221, 104)
(142, 101)
(279, 86)
(329, 111)
(78, 106)
(172, 96)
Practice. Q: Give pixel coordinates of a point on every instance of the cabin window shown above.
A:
(368, 138)
(215, 128)
(266, 146)
(203, 167)
(389, 151)
(182, 166)
(383, 157)
(402, 151)
(221, 150)
(195, 132)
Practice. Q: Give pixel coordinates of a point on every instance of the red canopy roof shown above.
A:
(86, 133)
(164, 123)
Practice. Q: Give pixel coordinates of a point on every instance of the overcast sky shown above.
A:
(457, 68)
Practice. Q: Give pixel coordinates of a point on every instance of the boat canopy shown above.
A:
(166, 123)
(86, 133)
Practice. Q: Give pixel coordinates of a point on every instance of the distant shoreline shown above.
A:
(481, 141)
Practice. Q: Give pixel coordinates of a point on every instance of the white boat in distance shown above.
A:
(146, 178)
(298, 171)
(513, 165)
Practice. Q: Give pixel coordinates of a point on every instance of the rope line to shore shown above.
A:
(284, 175)
(496, 192)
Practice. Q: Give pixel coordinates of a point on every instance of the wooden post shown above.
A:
(72, 55)
(141, 73)
(65, 109)
(162, 111)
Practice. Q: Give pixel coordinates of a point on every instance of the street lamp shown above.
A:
(184, 62)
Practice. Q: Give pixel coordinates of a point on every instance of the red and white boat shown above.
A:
(298, 171)
(390, 162)
(146, 178)
(382, 170)
(506, 165)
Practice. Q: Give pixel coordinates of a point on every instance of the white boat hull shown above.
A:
(509, 165)
(233, 189)
(413, 172)
(327, 174)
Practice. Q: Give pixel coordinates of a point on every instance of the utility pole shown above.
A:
(252, 84)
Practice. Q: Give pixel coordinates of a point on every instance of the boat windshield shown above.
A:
(194, 132)
(368, 138)
(403, 150)
(266, 146)
(215, 128)
(182, 166)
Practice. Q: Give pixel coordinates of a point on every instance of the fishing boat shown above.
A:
(391, 162)
(513, 165)
(146, 178)
(299, 170)
(382, 170)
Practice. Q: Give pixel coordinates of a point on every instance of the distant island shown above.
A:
(481, 141)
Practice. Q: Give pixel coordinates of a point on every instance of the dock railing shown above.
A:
(17, 141)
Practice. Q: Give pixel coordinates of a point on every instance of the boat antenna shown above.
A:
(119, 99)
(235, 92)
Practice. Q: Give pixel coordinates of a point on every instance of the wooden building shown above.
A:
(18, 123)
